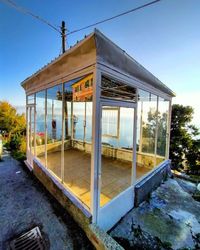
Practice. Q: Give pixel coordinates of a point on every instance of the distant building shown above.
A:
(83, 89)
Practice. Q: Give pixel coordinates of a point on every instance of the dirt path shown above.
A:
(24, 203)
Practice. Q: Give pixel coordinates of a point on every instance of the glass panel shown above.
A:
(32, 130)
(29, 128)
(146, 132)
(88, 121)
(78, 136)
(40, 126)
(54, 129)
(31, 99)
(114, 89)
(78, 120)
(110, 124)
(29, 146)
(163, 112)
(149, 124)
(116, 151)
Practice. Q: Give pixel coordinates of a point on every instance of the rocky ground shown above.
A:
(24, 204)
(170, 219)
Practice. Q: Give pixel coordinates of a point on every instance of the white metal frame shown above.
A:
(30, 150)
(117, 74)
(97, 212)
(95, 145)
(79, 74)
(105, 217)
(98, 70)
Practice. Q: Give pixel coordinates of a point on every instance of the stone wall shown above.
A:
(144, 188)
(99, 238)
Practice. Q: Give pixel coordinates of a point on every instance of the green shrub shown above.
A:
(18, 147)
(18, 155)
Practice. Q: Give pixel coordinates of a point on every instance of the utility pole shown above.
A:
(63, 35)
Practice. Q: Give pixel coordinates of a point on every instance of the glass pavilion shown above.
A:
(99, 123)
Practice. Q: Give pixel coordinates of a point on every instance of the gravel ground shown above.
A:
(24, 203)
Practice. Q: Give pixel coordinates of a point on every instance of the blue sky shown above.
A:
(164, 38)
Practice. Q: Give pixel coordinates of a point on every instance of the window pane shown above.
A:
(116, 151)
(78, 136)
(146, 132)
(40, 126)
(149, 123)
(54, 129)
(89, 121)
(31, 99)
(78, 120)
(110, 121)
(163, 112)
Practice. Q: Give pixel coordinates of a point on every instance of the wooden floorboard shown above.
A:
(116, 174)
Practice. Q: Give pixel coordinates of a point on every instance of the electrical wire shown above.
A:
(27, 12)
(113, 17)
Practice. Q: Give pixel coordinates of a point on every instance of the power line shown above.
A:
(27, 12)
(113, 17)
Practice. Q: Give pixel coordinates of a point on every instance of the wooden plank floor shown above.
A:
(116, 174)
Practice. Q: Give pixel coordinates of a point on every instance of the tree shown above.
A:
(193, 157)
(155, 118)
(11, 123)
(184, 148)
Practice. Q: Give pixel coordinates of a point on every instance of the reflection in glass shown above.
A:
(31, 99)
(163, 111)
(54, 129)
(78, 136)
(146, 132)
(110, 124)
(152, 124)
(149, 124)
(40, 126)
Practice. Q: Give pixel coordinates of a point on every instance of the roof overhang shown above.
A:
(94, 48)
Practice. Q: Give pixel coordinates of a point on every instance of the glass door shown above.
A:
(116, 161)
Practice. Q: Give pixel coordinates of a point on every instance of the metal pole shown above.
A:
(45, 121)
(63, 35)
(34, 124)
(63, 135)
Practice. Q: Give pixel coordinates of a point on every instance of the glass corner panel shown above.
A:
(163, 116)
(153, 115)
(146, 132)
